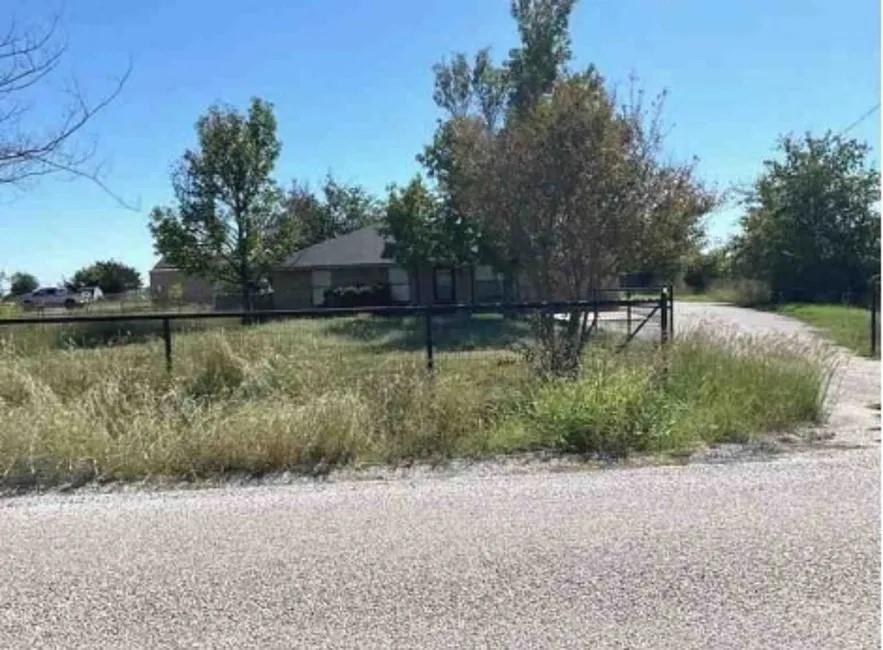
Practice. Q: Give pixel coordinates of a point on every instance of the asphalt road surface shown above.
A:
(776, 552)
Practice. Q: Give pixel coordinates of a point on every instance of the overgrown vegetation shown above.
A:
(308, 395)
(845, 325)
(736, 291)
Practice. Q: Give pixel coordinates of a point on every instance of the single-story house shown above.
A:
(171, 285)
(306, 277)
(357, 258)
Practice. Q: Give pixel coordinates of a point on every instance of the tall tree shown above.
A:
(812, 224)
(571, 184)
(543, 26)
(479, 98)
(228, 224)
(110, 276)
(21, 283)
(577, 191)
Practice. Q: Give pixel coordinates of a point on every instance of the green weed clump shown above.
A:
(845, 325)
(697, 391)
(306, 396)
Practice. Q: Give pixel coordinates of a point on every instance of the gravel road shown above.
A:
(782, 552)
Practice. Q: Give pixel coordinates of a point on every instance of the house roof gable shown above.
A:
(362, 247)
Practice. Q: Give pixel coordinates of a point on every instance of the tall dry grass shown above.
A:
(297, 396)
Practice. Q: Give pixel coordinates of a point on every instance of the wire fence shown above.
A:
(439, 336)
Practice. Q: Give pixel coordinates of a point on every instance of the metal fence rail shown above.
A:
(639, 311)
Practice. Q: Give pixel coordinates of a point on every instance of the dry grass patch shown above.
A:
(297, 396)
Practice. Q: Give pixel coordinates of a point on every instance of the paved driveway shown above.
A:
(775, 553)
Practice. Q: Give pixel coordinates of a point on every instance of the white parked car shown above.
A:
(54, 297)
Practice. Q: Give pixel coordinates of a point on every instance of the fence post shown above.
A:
(671, 311)
(875, 301)
(628, 313)
(167, 339)
(663, 316)
(429, 361)
(597, 324)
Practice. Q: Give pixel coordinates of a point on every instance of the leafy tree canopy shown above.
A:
(110, 276)
(424, 231)
(21, 283)
(812, 222)
(568, 181)
(341, 208)
(228, 223)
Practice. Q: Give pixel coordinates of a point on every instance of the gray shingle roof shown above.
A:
(362, 247)
(163, 265)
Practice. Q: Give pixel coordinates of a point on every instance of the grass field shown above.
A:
(844, 325)
(308, 395)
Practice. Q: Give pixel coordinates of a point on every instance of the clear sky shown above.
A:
(351, 81)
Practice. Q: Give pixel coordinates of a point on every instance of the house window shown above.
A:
(399, 284)
(444, 285)
(321, 282)
(488, 285)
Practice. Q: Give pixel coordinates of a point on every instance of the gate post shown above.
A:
(875, 305)
(671, 311)
(596, 324)
(628, 313)
(167, 339)
(428, 318)
(663, 316)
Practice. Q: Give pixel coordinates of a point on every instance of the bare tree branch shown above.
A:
(27, 58)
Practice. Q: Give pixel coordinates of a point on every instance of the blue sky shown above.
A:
(351, 81)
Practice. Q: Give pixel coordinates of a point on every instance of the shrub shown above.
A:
(740, 291)
(359, 295)
(699, 390)
(605, 413)
(702, 269)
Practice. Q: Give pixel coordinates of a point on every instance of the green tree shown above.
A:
(350, 207)
(409, 225)
(228, 224)
(342, 209)
(812, 225)
(423, 231)
(702, 268)
(21, 283)
(570, 183)
(543, 26)
(578, 192)
(110, 276)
